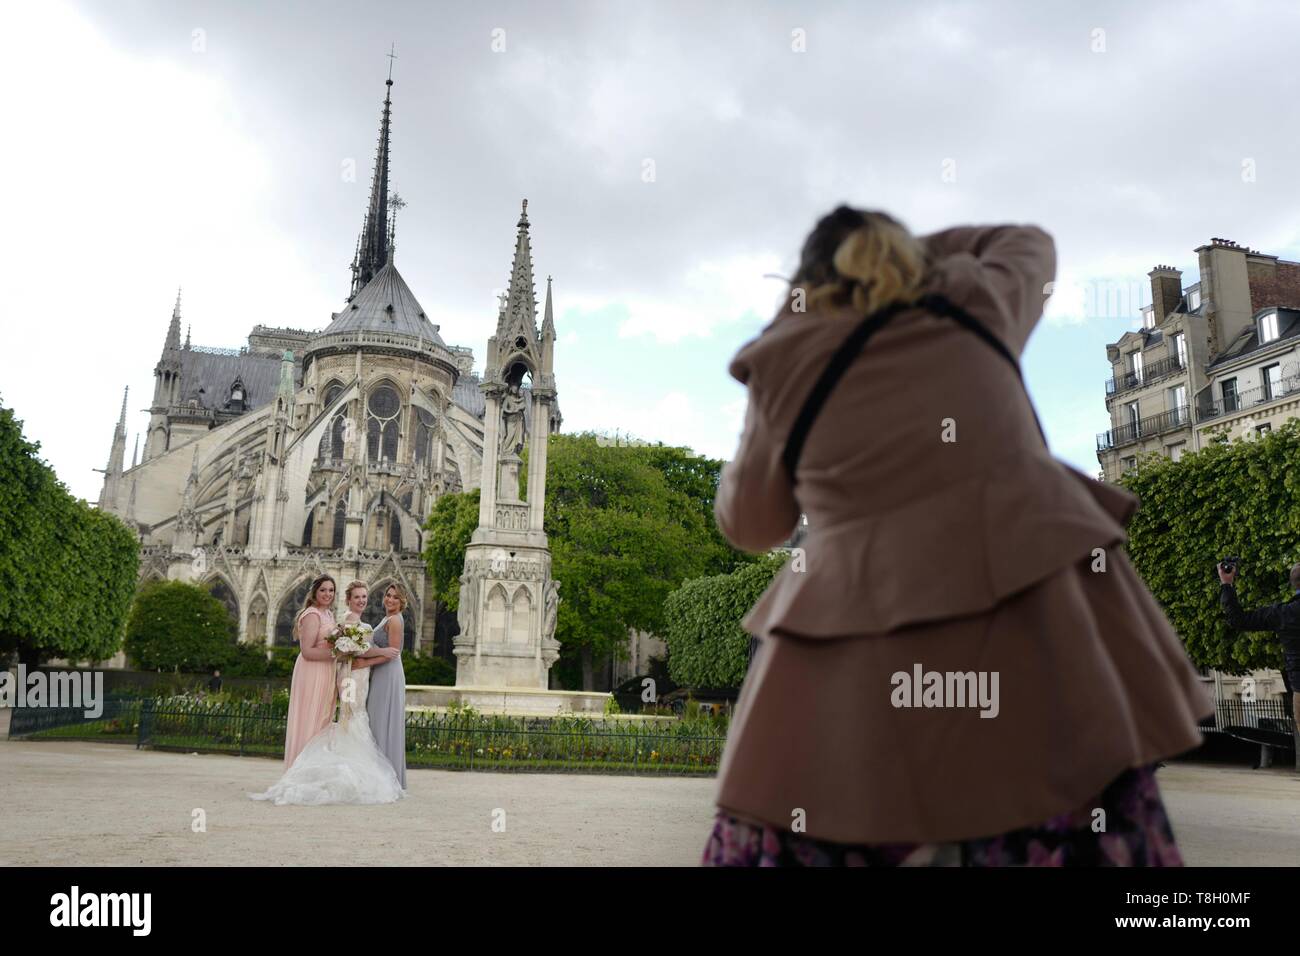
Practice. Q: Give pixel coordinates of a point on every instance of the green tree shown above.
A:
(67, 570)
(697, 478)
(1230, 498)
(621, 538)
(450, 525)
(179, 626)
(707, 647)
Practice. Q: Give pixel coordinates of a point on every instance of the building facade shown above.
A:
(1221, 357)
(1218, 359)
(310, 452)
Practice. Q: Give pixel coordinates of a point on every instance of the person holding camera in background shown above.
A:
(1283, 619)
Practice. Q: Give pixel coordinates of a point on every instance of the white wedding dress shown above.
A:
(342, 763)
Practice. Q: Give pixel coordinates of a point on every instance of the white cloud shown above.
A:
(711, 294)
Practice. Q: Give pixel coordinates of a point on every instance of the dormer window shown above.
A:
(1149, 317)
(1193, 300)
(236, 402)
(1268, 328)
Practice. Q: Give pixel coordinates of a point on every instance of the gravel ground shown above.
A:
(95, 804)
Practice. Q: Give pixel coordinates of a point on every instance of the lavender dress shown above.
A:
(386, 704)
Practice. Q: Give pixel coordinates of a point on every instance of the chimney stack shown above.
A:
(1166, 291)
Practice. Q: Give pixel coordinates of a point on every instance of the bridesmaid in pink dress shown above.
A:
(312, 692)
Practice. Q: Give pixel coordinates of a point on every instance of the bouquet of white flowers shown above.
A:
(350, 640)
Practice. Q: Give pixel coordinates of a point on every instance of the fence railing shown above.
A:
(32, 720)
(1272, 715)
(560, 744)
(1151, 425)
(1126, 381)
(455, 741)
(1248, 398)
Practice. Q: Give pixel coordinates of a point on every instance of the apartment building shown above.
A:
(1220, 357)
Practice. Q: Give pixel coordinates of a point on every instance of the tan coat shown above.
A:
(981, 553)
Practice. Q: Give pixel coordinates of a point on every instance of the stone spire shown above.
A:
(520, 314)
(545, 377)
(174, 329)
(135, 455)
(548, 318)
(372, 250)
(188, 528)
(108, 494)
(118, 454)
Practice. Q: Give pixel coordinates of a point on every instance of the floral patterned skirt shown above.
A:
(1136, 833)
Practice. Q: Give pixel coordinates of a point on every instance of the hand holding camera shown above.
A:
(1228, 569)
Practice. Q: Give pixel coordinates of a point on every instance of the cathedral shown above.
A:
(323, 452)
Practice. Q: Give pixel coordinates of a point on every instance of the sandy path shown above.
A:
(82, 803)
(92, 804)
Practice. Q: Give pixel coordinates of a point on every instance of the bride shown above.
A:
(342, 763)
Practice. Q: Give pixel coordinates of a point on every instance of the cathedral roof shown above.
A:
(208, 374)
(467, 394)
(386, 304)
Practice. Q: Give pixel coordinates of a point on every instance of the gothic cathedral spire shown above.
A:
(517, 321)
(372, 250)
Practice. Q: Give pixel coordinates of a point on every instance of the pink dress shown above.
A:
(311, 697)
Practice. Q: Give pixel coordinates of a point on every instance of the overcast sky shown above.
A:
(156, 145)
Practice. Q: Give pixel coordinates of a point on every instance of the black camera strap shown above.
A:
(848, 350)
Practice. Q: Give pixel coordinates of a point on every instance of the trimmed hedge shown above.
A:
(707, 647)
(1232, 498)
(67, 570)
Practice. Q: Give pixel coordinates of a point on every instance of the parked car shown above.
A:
(717, 700)
(628, 694)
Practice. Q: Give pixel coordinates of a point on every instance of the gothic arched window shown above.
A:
(331, 443)
(381, 423)
(395, 533)
(220, 590)
(423, 422)
(289, 609)
(340, 524)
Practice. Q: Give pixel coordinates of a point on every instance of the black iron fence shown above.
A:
(243, 728)
(1239, 717)
(556, 744)
(459, 741)
(118, 716)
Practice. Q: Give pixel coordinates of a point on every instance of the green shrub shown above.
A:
(427, 669)
(707, 647)
(1229, 498)
(179, 626)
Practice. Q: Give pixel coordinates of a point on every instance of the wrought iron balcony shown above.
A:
(1157, 370)
(1168, 421)
(1248, 399)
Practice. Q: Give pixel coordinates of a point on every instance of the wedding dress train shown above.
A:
(342, 763)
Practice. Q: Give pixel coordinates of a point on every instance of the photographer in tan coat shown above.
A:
(960, 665)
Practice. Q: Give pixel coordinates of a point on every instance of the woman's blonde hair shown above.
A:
(401, 595)
(310, 601)
(347, 594)
(859, 258)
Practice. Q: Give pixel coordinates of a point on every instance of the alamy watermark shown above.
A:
(83, 689)
(923, 688)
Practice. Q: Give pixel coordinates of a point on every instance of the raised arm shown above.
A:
(311, 639)
(1018, 263)
(755, 506)
(1264, 619)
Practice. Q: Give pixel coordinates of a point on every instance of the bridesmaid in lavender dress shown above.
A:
(386, 703)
